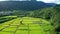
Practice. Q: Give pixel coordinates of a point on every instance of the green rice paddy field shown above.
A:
(25, 25)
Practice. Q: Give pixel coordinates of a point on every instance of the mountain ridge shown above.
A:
(24, 5)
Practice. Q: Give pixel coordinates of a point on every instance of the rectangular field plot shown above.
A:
(36, 32)
(8, 22)
(34, 26)
(9, 29)
(17, 22)
(5, 25)
(1, 27)
(13, 26)
(23, 27)
(5, 32)
(21, 32)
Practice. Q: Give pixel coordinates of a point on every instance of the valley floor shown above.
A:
(26, 25)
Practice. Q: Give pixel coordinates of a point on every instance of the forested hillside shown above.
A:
(24, 5)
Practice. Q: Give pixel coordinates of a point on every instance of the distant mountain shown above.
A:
(24, 5)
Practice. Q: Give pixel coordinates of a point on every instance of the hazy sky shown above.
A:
(51, 1)
(46, 1)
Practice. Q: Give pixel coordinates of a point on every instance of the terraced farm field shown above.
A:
(26, 25)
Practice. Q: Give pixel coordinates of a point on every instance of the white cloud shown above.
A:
(50, 1)
(46, 1)
(2, 0)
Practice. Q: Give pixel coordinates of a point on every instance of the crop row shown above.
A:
(5, 19)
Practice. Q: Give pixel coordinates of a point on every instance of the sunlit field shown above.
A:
(24, 25)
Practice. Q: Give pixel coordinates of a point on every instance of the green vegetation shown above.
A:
(41, 21)
(28, 27)
(5, 19)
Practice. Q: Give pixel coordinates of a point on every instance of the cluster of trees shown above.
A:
(51, 14)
